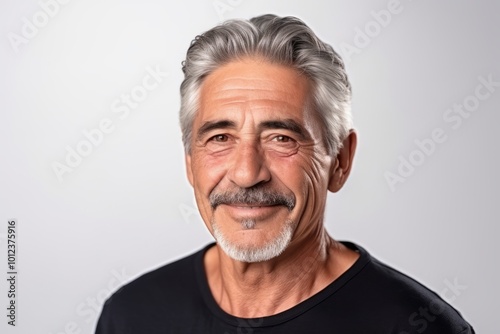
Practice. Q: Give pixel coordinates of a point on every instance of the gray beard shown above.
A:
(253, 254)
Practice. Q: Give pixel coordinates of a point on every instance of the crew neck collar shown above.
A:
(288, 314)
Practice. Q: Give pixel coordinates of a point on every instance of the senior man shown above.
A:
(265, 117)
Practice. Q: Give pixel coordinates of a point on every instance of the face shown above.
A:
(258, 164)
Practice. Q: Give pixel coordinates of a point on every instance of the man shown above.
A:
(267, 132)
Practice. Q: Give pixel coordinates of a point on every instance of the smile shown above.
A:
(250, 206)
(254, 211)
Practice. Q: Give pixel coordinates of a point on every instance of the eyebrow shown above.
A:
(214, 125)
(285, 124)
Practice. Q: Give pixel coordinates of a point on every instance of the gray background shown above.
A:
(127, 207)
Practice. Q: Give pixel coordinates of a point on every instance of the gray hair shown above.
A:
(282, 40)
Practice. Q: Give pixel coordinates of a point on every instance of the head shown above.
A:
(265, 116)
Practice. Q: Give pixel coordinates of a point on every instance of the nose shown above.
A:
(248, 166)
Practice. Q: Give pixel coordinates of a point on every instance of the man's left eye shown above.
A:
(283, 139)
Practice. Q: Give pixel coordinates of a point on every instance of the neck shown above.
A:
(251, 290)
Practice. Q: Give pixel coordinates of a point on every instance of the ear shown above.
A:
(343, 162)
(189, 171)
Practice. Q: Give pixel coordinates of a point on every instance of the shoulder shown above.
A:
(167, 279)
(387, 292)
(166, 292)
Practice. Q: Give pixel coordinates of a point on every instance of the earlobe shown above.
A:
(335, 176)
(343, 162)
(189, 171)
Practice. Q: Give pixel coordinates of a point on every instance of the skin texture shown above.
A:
(255, 128)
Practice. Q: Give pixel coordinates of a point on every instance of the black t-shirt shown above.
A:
(369, 297)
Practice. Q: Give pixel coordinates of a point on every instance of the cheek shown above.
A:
(207, 172)
(301, 171)
(293, 175)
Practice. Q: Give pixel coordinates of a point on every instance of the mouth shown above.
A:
(251, 211)
(250, 206)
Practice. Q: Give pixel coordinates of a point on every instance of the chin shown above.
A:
(254, 253)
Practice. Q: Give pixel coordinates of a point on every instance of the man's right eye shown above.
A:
(219, 138)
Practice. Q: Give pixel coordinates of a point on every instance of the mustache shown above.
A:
(254, 196)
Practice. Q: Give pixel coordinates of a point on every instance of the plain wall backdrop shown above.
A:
(423, 195)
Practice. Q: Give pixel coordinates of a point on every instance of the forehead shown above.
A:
(254, 85)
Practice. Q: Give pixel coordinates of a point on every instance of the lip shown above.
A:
(250, 206)
(250, 211)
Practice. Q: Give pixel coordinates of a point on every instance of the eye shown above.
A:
(282, 139)
(281, 144)
(219, 138)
